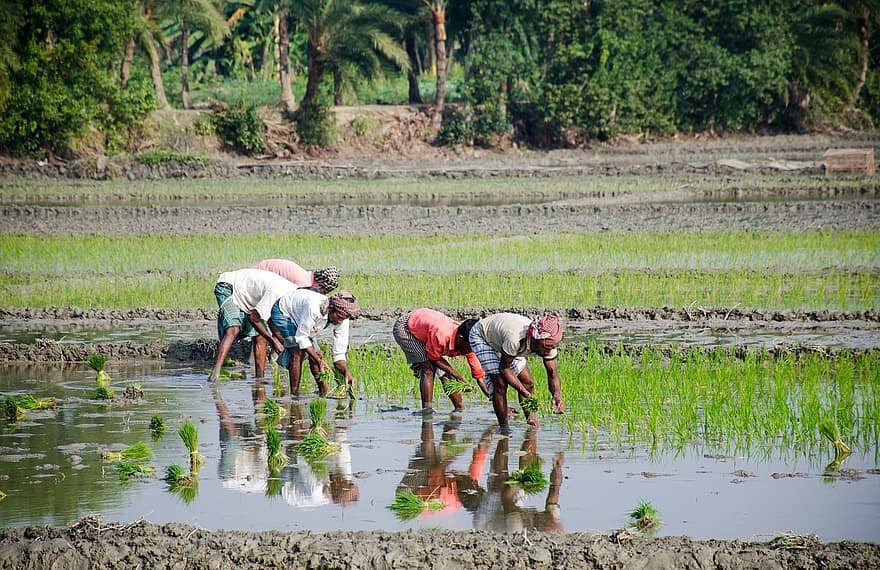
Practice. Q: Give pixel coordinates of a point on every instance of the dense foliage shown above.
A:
(551, 73)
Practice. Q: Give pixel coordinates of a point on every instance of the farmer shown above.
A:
(321, 280)
(296, 319)
(501, 343)
(426, 336)
(245, 298)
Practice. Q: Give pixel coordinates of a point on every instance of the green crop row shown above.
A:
(832, 289)
(721, 403)
(722, 251)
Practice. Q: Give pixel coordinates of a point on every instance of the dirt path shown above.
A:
(93, 543)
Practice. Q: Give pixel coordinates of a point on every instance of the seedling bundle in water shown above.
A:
(314, 446)
(645, 516)
(277, 458)
(137, 452)
(831, 431)
(190, 436)
(407, 505)
(272, 410)
(157, 426)
(17, 407)
(103, 391)
(184, 484)
(530, 477)
(128, 469)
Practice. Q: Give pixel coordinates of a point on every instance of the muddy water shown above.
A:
(52, 471)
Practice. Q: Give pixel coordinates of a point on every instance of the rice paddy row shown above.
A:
(722, 251)
(830, 290)
(716, 401)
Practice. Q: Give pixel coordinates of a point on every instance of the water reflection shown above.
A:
(243, 455)
(502, 507)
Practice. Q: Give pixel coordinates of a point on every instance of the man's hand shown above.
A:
(558, 405)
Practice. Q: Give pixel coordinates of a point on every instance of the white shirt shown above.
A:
(304, 307)
(256, 289)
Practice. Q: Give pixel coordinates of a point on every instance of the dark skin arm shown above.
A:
(554, 384)
(510, 378)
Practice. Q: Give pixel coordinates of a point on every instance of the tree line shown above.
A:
(546, 72)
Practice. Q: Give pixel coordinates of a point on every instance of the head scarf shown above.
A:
(328, 278)
(546, 327)
(344, 303)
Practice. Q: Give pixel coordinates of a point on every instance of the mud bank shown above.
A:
(93, 543)
(471, 220)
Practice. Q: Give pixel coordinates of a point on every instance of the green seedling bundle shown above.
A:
(128, 469)
(830, 430)
(277, 458)
(314, 446)
(157, 425)
(452, 386)
(530, 405)
(16, 407)
(530, 478)
(181, 483)
(645, 516)
(407, 505)
(272, 410)
(190, 436)
(137, 452)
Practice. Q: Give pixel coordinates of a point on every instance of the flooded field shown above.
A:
(52, 470)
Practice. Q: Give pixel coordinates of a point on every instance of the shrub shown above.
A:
(315, 126)
(240, 127)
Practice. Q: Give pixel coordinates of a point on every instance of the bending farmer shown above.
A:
(426, 336)
(245, 298)
(297, 317)
(501, 342)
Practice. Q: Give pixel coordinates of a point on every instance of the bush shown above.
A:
(240, 127)
(315, 125)
(457, 128)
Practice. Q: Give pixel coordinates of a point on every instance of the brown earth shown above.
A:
(92, 543)
(394, 148)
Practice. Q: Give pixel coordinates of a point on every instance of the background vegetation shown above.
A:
(86, 73)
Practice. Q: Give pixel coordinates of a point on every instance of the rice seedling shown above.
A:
(314, 446)
(176, 475)
(274, 484)
(324, 376)
(317, 411)
(2, 495)
(28, 402)
(831, 431)
(452, 386)
(190, 436)
(183, 484)
(645, 516)
(157, 425)
(530, 404)
(407, 505)
(104, 393)
(530, 478)
(14, 412)
(127, 469)
(96, 362)
(272, 410)
(137, 452)
(277, 458)
(277, 379)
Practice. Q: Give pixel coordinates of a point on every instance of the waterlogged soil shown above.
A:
(93, 543)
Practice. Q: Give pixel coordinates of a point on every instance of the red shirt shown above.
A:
(437, 331)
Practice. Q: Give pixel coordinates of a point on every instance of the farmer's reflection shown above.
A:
(312, 484)
(501, 507)
(429, 477)
(243, 455)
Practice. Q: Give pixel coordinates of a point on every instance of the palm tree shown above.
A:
(346, 35)
(9, 61)
(438, 18)
(147, 35)
(193, 15)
